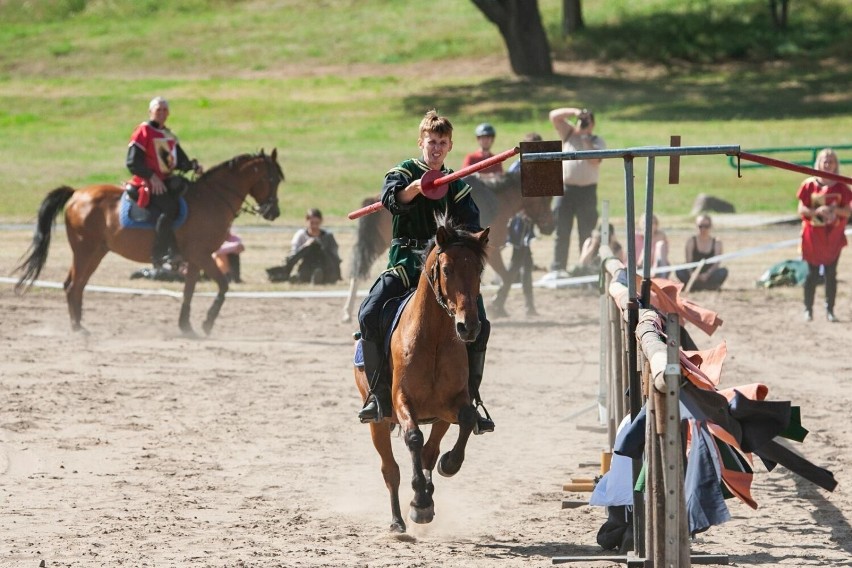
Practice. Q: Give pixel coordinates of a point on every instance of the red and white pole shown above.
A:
(434, 186)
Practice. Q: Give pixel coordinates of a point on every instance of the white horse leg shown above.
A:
(350, 300)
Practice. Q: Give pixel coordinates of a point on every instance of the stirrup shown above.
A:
(483, 424)
(372, 410)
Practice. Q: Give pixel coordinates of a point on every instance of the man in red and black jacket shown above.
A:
(152, 155)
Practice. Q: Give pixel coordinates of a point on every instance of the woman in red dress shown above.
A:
(824, 206)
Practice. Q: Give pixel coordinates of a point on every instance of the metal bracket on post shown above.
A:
(674, 161)
(541, 179)
(647, 254)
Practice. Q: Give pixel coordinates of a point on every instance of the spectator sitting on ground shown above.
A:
(590, 259)
(314, 250)
(659, 249)
(228, 257)
(703, 246)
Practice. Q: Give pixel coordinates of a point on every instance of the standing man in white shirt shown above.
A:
(579, 179)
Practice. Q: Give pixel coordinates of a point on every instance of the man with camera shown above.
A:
(579, 179)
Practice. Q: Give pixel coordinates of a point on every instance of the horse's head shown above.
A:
(499, 195)
(453, 268)
(264, 190)
(538, 209)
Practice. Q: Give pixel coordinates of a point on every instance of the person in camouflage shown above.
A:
(412, 226)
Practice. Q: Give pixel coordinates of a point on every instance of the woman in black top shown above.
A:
(703, 246)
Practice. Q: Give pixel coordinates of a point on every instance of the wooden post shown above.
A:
(674, 162)
(677, 537)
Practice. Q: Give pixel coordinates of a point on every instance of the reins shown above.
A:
(433, 278)
(246, 207)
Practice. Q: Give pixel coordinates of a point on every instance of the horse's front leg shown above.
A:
(433, 445)
(429, 455)
(188, 290)
(451, 462)
(212, 270)
(380, 433)
(422, 507)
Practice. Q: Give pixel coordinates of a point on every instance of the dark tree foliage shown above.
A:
(519, 22)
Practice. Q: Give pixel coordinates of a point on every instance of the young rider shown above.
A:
(413, 225)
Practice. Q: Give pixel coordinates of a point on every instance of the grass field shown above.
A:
(339, 87)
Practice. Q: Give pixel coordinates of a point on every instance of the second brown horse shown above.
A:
(93, 227)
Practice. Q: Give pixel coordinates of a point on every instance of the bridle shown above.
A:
(273, 179)
(433, 277)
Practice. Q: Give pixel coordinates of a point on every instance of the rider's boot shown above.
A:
(162, 242)
(378, 404)
(476, 366)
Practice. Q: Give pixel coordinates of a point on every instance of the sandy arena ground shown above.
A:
(135, 446)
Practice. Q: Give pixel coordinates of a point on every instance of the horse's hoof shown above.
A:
(207, 327)
(188, 332)
(346, 318)
(397, 527)
(445, 468)
(422, 516)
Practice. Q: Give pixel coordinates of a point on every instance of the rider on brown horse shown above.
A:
(413, 225)
(152, 155)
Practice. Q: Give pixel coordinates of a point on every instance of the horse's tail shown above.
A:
(369, 243)
(37, 253)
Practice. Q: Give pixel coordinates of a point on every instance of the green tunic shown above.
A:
(416, 220)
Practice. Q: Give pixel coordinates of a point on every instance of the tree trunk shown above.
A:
(572, 17)
(779, 9)
(519, 22)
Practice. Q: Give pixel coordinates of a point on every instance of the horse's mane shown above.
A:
(510, 181)
(234, 162)
(226, 165)
(458, 235)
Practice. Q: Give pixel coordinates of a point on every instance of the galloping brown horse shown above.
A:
(428, 360)
(94, 229)
(498, 198)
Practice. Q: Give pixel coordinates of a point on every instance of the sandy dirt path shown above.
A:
(134, 446)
